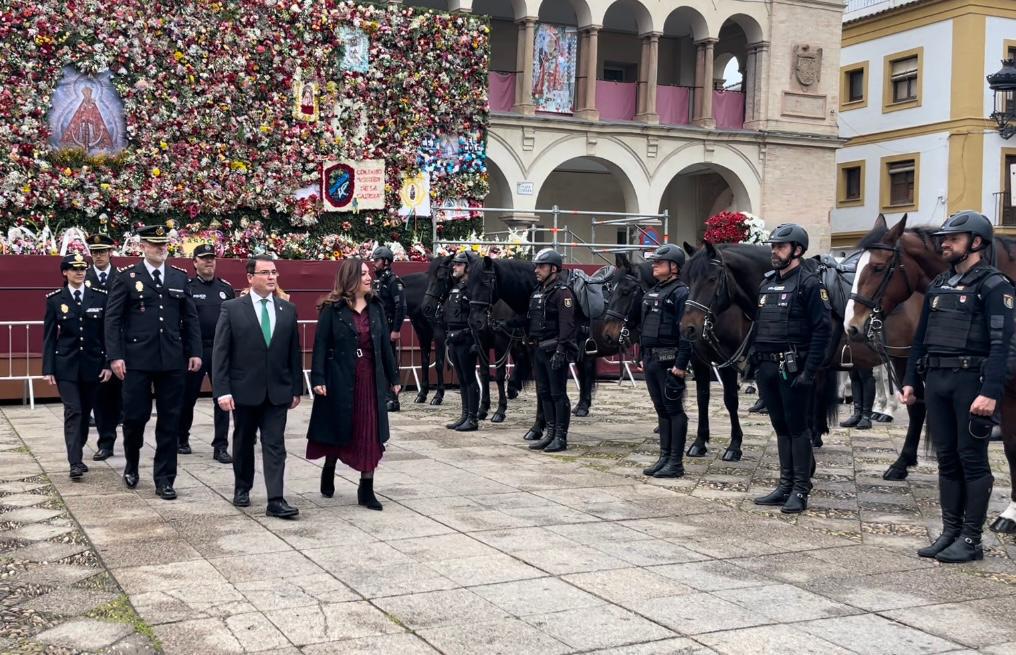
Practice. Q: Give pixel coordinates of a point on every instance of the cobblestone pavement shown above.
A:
(487, 547)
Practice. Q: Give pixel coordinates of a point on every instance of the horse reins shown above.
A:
(709, 322)
(489, 278)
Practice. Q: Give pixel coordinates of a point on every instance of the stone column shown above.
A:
(524, 62)
(588, 69)
(704, 83)
(755, 90)
(748, 84)
(647, 91)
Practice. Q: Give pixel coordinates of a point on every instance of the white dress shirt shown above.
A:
(162, 272)
(256, 299)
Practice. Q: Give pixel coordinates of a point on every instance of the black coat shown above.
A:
(74, 347)
(334, 366)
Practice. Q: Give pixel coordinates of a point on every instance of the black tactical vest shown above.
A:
(660, 317)
(542, 313)
(781, 319)
(956, 322)
(382, 289)
(456, 308)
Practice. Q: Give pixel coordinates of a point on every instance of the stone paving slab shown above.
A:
(487, 547)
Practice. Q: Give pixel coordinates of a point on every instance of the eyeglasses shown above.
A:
(272, 273)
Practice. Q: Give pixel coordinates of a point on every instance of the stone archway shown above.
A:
(697, 192)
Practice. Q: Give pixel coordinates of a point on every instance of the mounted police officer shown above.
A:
(960, 350)
(390, 291)
(553, 330)
(152, 339)
(792, 333)
(461, 347)
(208, 292)
(665, 356)
(74, 353)
(109, 399)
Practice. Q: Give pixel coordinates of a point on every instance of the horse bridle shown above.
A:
(709, 320)
(488, 280)
(624, 336)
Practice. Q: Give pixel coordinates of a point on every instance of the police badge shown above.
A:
(934, 302)
(64, 308)
(1008, 300)
(139, 286)
(567, 302)
(824, 295)
(222, 295)
(761, 301)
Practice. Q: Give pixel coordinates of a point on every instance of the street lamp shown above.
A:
(1003, 84)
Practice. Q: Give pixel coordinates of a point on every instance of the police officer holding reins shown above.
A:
(960, 350)
(665, 357)
(461, 346)
(553, 331)
(391, 292)
(792, 332)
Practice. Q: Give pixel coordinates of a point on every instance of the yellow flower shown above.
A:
(26, 189)
(156, 172)
(105, 186)
(68, 171)
(265, 129)
(178, 55)
(238, 165)
(163, 145)
(171, 224)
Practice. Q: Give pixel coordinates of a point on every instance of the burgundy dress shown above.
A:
(363, 452)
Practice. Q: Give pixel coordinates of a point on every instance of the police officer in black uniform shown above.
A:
(391, 292)
(208, 292)
(553, 330)
(461, 346)
(74, 353)
(792, 333)
(108, 408)
(665, 356)
(152, 339)
(960, 350)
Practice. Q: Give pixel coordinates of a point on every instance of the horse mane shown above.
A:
(922, 232)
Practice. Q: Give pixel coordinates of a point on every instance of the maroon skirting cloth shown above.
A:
(364, 450)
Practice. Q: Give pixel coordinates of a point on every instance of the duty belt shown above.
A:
(776, 357)
(661, 354)
(966, 361)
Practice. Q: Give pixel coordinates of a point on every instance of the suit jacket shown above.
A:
(244, 367)
(73, 346)
(152, 328)
(92, 279)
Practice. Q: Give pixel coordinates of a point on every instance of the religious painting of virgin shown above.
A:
(554, 58)
(86, 113)
(355, 49)
(305, 101)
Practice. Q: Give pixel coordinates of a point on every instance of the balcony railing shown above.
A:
(1005, 212)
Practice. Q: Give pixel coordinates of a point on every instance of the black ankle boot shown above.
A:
(328, 478)
(796, 503)
(460, 421)
(854, 419)
(559, 443)
(469, 425)
(865, 422)
(549, 433)
(651, 470)
(674, 468)
(664, 431)
(776, 497)
(968, 547)
(365, 495)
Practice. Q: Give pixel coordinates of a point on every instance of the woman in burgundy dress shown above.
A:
(352, 369)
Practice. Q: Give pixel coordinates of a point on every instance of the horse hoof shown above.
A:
(656, 430)
(498, 417)
(1003, 525)
(581, 411)
(884, 418)
(512, 393)
(816, 442)
(421, 398)
(732, 455)
(895, 473)
(481, 416)
(436, 400)
(697, 450)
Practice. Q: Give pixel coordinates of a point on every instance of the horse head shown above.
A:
(439, 284)
(481, 287)
(623, 310)
(709, 290)
(883, 279)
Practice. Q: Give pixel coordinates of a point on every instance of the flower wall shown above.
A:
(232, 107)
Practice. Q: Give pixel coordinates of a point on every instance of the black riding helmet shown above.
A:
(790, 233)
(668, 252)
(383, 252)
(460, 258)
(548, 256)
(970, 222)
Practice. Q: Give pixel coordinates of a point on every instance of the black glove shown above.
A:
(804, 379)
(558, 360)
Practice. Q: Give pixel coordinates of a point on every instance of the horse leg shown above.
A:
(502, 373)
(1006, 521)
(440, 355)
(484, 383)
(916, 414)
(702, 373)
(586, 368)
(425, 350)
(728, 376)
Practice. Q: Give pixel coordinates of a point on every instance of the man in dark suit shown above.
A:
(152, 340)
(257, 373)
(208, 292)
(109, 399)
(73, 353)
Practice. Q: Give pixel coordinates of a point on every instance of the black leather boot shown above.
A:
(968, 547)
(950, 497)
(462, 418)
(328, 478)
(674, 468)
(854, 418)
(549, 433)
(560, 441)
(664, 428)
(471, 424)
(803, 463)
(865, 422)
(779, 495)
(562, 417)
(365, 495)
(758, 407)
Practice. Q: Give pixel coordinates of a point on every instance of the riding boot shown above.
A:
(674, 467)
(950, 497)
(471, 424)
(865, 422)
(562, 412)
(664, 428)
(968, 547)
(804, 462)
(328, 477)
(779, 495)
(854, 419)
(535, 433)
(550, 430)
(462, 415)
(758, 407)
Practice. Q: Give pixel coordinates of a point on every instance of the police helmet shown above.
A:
(383, 252)
(460, 258)
(790, 233)
(971, 222)
(668, 252)
(548, 256)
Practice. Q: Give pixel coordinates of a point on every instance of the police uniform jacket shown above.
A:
(552, 314)
(92, 278)
(967, 314)
(455, 309)
(794, 313)
(208, 298)
(73, 337)
(662, 311)
(390, 291)
(152, 328)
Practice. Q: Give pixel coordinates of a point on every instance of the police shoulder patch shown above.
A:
(226, 282)
(567, 302)
(54, 292)
(1008, 300)
(178, 268)
(823, 294)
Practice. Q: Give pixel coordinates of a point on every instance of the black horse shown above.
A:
(439, 285)
(430, 336)
(623, 320)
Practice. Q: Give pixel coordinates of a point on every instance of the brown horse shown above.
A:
(899, 264)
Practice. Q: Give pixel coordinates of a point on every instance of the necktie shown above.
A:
(77, 296)
(266, 323)
(102, 279)
(158, 277)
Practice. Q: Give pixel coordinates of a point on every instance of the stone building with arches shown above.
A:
(688, 106)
